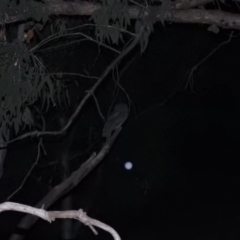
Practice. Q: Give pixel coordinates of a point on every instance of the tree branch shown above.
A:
(217, 17)
(178, 13)
(52, 215)
(58, 191)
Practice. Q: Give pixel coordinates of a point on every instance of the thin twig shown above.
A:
(73, 74)
(29, 172)
(98, 108)
(49, 39)
(194, 68)
(40, 145)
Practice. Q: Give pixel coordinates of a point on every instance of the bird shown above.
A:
(116, 119)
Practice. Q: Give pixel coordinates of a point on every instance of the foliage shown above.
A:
(23, 82)
(23, 78)
(110, 20)
(25, 8)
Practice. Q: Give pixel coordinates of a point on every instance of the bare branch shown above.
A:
(52, 215)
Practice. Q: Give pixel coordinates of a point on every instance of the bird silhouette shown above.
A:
(116, 119)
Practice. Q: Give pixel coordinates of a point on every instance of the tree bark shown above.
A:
(181, 12)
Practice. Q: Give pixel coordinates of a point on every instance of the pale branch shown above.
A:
(175, 14)
(58, 191)
(50, 216)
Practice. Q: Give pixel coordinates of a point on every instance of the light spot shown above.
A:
(128, 165)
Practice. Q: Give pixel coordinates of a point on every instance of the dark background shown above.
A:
(185, 179)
